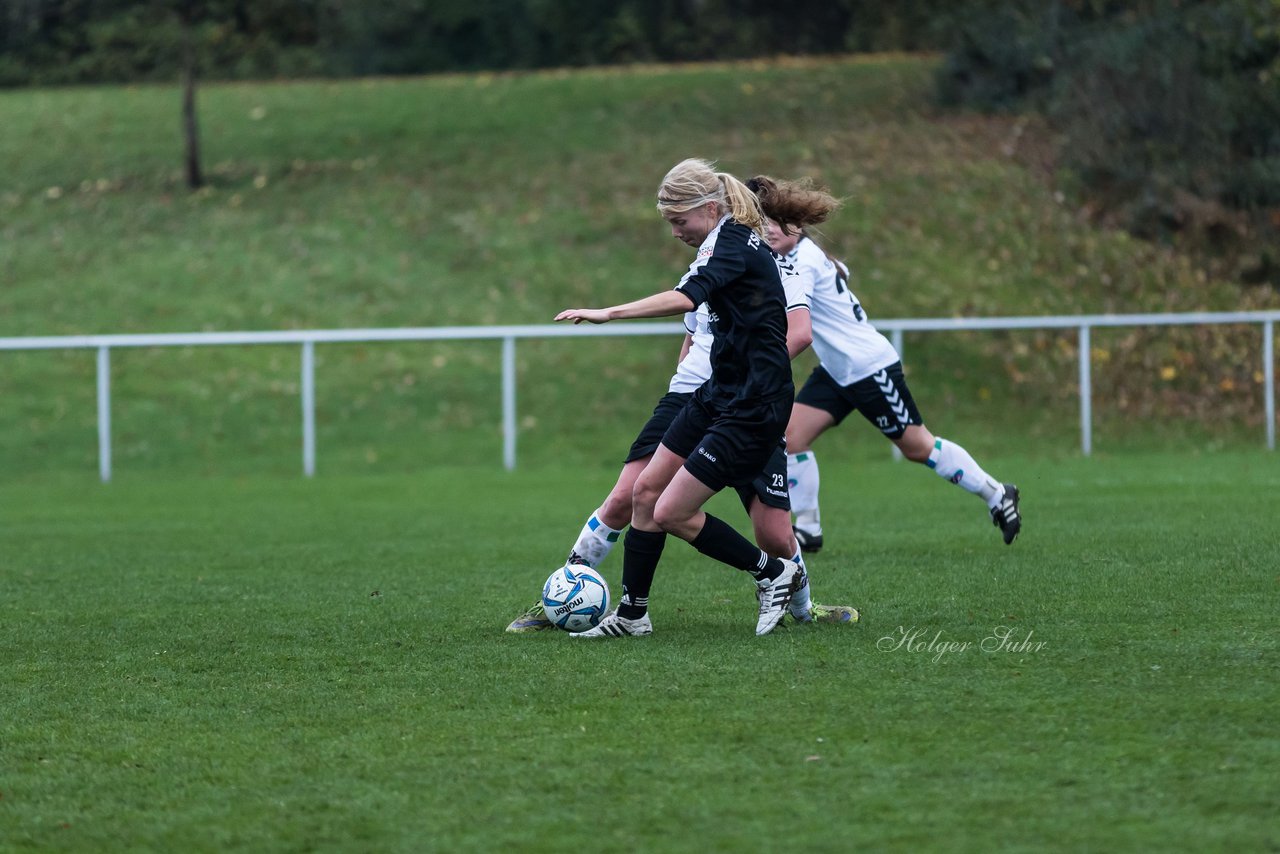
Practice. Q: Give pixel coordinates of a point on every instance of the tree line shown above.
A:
(52, 42)
(1166, 112)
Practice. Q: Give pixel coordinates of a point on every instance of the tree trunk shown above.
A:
(190, 130)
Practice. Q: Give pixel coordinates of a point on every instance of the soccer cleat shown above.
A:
(775, 596)
(1005, 515)
(532, 620)
(801, 612)
(834, 613)
(809, 543)
(615, 626)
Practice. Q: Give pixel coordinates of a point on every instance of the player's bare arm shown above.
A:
(662, 304)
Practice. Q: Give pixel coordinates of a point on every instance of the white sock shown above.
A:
(953, 463)
(595, 541)
(802, 480)
(801, 601)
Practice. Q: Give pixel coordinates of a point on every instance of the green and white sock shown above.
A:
(952, 463)
(595, 541)
(802, 482)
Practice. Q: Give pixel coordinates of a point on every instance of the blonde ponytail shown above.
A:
(692, 183)
(743, 204)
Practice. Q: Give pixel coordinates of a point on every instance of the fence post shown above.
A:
(1086, 394)
(1269, 378)
(896, 338)
(509, 402)
(104, 414)
(309, 408)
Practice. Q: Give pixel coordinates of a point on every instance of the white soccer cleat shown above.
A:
(614, 626)
(775, 596)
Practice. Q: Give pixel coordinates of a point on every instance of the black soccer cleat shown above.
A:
(809, 543)
(1005, 515)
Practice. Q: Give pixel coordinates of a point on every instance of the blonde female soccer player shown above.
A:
(734, 422)
(766, 499)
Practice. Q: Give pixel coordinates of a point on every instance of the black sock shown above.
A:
(641, 551)
(719, 540)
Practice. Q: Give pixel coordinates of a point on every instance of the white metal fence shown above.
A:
(308, 339)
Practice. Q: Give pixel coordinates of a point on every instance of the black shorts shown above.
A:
(883, 399)
(733, 447)
(651, 433)
(770, 485)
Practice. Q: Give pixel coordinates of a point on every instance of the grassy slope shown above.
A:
(500, 199)
(273, 664)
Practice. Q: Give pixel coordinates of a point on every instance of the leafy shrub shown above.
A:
(1167, 113)
(1002, 55)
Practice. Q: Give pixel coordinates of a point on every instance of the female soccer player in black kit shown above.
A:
(726, 433)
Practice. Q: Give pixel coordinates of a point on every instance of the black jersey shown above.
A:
(737, 276)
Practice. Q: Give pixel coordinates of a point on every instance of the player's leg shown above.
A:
(774, 536)
(597, 538)
(680, 512)
(734, 452)
(772, 526)
(807, 423)
(603, 528)
(947, 459)
(954, 464)
(642, 549)
(768, 502)
(819, 406)
(645, 540)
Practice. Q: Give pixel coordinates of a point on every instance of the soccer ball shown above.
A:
(575, 598)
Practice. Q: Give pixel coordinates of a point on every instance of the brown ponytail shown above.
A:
(794, 205)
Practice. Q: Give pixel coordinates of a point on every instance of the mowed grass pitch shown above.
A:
(282, 664)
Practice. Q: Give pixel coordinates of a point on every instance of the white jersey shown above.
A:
(695, 368)
(848, 346)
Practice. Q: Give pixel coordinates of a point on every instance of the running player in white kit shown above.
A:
(859, 369)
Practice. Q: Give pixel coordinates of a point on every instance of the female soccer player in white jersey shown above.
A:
(858, 369)
(727, 432)
(765, 498)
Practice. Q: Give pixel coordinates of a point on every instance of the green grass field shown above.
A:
(212, 653)
(279, 664)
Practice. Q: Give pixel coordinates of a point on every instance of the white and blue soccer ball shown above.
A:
(575, 598)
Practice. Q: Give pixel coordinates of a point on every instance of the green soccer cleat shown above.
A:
(532, 620)
(834, 613)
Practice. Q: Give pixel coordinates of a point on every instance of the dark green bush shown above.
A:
(1162, 109)
(1001, 56)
